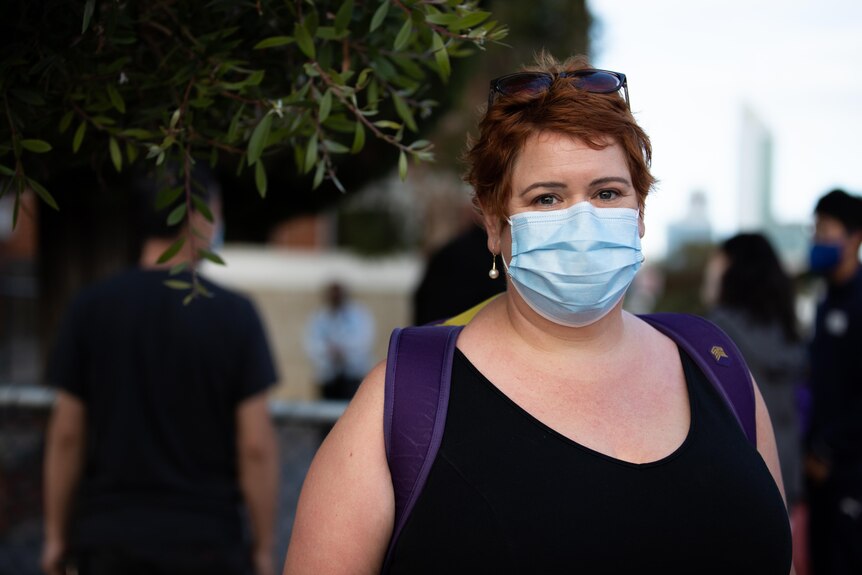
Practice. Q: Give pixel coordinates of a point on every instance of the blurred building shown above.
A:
(694, 228)
(756, 192)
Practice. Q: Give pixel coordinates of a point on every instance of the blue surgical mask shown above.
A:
(573, 266)
(823, 258)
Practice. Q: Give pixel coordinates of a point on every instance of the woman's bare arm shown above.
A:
(346, 508)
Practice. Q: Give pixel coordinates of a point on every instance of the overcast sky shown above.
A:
(693, 66)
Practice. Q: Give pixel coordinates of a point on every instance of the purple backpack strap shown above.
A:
(418, 377)
(719, 359)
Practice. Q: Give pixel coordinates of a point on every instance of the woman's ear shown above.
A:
(493, 227)
(641, 226)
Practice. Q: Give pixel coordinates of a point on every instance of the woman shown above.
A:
(752, 299)
(578, 438)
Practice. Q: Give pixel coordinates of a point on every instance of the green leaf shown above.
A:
(179, 268)
(136, 133)
(338, 184)
(211, 256)
(89, 8)
(255, 78)
(260, 179)
(310, 154)
(167, 196)
(258, 139)
(363, 78)
(175, 118)
(325, 106)
(233, 129)
(6, 171)
(177, 215)
(330, 33)
(38, 146)
(335, 147)
(342, 17)
(379, 16)
(318, 175)
(402, 165)
(131, 152)
(304, 39)
(116, 155)
(202, 207)
(441, 19)
(116, 98)
(410, 66)
(172, 250)
(419, 144)
(403, 35)
(201, 289)
(470, 20)
(358, 139)
(43, 193)
(373, 93)
(66, 120)
(102, 121)
(18, 193)
(404, 111)
(79, 136)
(441, 56)
(274, 42)
(388, 124)
(178, 284)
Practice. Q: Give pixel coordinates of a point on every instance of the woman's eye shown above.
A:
(546, 200)
(607, 194)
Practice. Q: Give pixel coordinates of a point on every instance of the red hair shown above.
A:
(591, 118)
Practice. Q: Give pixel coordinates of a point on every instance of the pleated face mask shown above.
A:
(573, 266)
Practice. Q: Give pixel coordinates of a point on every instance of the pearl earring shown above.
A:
(493, 273)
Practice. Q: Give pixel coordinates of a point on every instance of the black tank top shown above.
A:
(507, 494)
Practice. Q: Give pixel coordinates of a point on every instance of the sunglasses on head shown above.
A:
(588, 80)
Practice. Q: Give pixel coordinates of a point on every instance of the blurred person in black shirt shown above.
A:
(160, 431)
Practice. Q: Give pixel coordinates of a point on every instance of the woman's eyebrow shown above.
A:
(550, 185)
(609, 180)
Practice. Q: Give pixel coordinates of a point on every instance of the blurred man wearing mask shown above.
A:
(834, 445)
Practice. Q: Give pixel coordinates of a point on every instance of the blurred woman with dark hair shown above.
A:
(753, 300)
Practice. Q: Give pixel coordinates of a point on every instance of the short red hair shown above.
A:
(591, 118)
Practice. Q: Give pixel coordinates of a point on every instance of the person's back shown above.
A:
(752, 299)
(160, 430)
(161, 381)
(778, 366)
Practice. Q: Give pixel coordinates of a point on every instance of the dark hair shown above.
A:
(148, 184)
(755, 283)
(564, 109)
(844, 207)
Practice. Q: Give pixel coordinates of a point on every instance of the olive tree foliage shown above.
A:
(173, 82)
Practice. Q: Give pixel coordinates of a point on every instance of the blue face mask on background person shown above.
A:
(823, 257)
(573, 266)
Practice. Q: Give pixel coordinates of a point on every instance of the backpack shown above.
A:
(418, 378)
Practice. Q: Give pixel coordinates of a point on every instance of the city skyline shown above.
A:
(693, 68)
